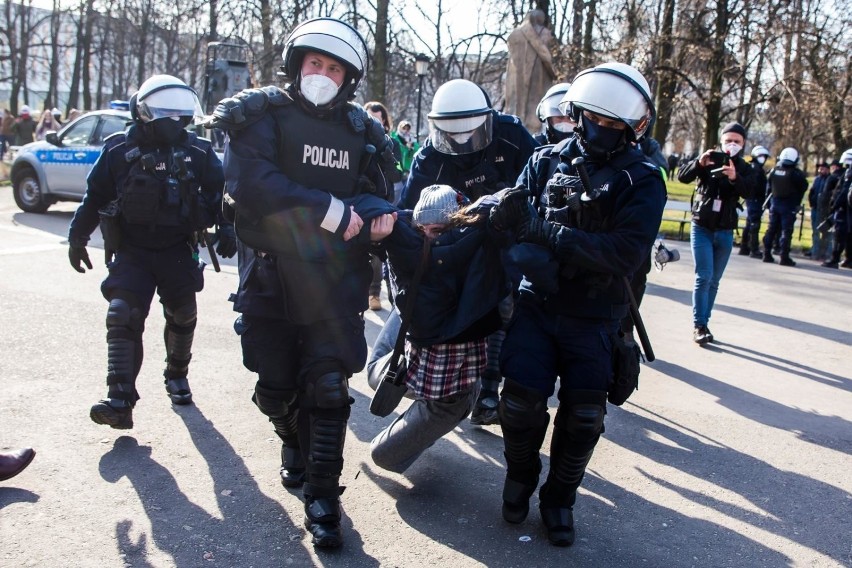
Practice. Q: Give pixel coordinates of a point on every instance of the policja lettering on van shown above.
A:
(326, 157)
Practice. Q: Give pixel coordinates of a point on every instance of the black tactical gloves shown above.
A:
(77, 254)
(539, 232)
(226, 241)
(512, 209)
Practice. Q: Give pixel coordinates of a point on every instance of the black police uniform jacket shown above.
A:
(183, 207)
(463, 281)
(609, 241)
(293, 173)
(705, 212)
(788, 185)
(491, 169)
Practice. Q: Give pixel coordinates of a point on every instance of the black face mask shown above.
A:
(168, 131)
(600, 141)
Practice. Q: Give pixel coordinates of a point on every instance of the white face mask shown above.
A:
(461, 137)
(761, 160)
(318, 89)
(732, 148)
(564, 127)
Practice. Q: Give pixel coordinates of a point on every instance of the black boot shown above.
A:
(322, 515)
(485, 411)
(767, 256)
(577, 428)
(292, 466)
(116, 414)
(178, 335)
(524, 421)
(787, 261)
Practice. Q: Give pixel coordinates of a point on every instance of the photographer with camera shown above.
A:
(723, 178)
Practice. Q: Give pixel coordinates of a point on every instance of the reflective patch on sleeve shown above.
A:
(333, 216)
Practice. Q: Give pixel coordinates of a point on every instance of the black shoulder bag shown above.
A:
(392, 388)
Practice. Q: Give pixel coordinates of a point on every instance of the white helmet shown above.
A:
(460, 119)
(614, 90)
(788, 157)
(330, 37)
(759, 151)
(164, 96)
(549, 104)
(846, 157)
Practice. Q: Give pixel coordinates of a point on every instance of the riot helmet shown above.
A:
(759, 154)
(164, 96)
(846, 158)
(617, 92)
(460, 121)
(548, 110)
(332, 38)
(788, 157)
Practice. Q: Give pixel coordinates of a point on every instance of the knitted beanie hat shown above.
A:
(436, 204)
(735, 127)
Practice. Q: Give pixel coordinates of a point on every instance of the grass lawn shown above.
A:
(683, 192)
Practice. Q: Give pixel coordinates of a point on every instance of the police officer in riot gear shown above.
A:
(556, 127)
(305, 170)
(475, 150)
(788, 186)
(594, 236)
(749, 243)
(155, 189)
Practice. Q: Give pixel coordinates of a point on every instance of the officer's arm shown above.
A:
(635, 222)
(100, 190)
(257, 185)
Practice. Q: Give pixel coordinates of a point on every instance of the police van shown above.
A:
(55, 169)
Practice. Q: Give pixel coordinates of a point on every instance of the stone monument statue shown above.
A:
(530, 70)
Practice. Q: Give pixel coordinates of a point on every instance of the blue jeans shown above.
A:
(710, 252)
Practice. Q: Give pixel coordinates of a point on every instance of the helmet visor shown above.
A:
(170, 102)
(460, 135)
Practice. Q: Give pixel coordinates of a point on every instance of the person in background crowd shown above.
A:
(787, 185)
(378, 111)
(818, 250)
(46, 123)
(24, 127)
(409, 146)
(749, 243)
(841, 214)
(723, 179)
(832, 186)
(7, 131)
(555, 126)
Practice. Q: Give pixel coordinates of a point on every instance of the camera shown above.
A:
(662, 255)
(717, 161)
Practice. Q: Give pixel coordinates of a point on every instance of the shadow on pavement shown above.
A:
(808, 426)
(784, 365)
(457, 503)
(780, 502)
(684, 297)
(10, 495)
(254, 528)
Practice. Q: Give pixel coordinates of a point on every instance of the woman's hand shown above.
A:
(382, 226)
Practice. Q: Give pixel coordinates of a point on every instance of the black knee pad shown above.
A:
(122, 313)
(581, 415)
(328, 390)
(521, 408)
(182, 314)
(275, 403)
